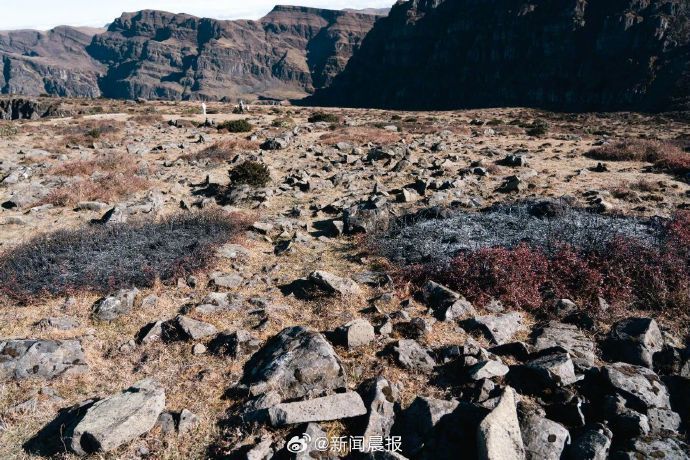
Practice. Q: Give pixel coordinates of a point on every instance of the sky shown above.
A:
(45, 14)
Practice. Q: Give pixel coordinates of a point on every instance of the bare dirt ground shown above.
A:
(54, 164)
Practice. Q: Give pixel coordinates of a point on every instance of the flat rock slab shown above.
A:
(117, 420)
(333, 407)
(295, 363)
(23, 359)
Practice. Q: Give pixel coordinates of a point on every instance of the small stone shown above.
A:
(188, 421)
(357, 333)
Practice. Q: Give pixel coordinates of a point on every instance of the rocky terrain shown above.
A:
(570, 56)
(285, 311)
(159, 55)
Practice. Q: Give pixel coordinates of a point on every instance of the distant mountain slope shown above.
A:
(574, 55)
(155, 54)
(52, 62)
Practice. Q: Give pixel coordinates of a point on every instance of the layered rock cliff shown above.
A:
(52, 62)
(574, 55)
(159, 55)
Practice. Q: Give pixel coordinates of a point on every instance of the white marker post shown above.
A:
(203, 108)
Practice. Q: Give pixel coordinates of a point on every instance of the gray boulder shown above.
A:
(664, 448)
(379, 398)
(413, 356)
(555, 368)
(543, 439)
(117, 420)
(366, 217)
(488, 370)
(499, 329)
(417, 422)
(447, 305)
(332, 407)
(295, 363)
(356, 333)
(112, 307)
(23, 359)
(593, 444)
(333, 284)
(499, 436)
(581, 348)
(638, 385)
(185, 328)
(634, 341)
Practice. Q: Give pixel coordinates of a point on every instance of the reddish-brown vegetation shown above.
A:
(626, 273)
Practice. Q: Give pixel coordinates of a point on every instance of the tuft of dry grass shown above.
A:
(107, 188)
(360, 135)
(224, 151)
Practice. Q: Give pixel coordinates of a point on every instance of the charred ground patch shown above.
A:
(102, 258)
(528, 254)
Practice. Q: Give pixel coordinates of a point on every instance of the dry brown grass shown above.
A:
(360, 135)
(108, 188)
(88, 131)
(223, 151)
(644, 150)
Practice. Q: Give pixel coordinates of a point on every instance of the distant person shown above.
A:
(203, 108)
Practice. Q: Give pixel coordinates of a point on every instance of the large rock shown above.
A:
(115, 305)
(366, 217)
(499, 329)
(295, 363)
(413, 356)
(185, 328)
(22, 359)
(634, 341)
(334, 284)
(499, 436)
(332, 407)
(447, 304)
(417, 422)
(664, 448)
(593, 444)
(117, 420)
(581, 348)
(379, 397)
(356, 333)
(638, 385)
(543, 439)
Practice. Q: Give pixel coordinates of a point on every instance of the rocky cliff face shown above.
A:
(559, 54)
(159, 55)
(52, 62)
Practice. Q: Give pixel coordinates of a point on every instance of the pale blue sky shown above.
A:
(45, 14)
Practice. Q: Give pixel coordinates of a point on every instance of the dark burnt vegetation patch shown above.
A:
(101, 259)
(528, 254)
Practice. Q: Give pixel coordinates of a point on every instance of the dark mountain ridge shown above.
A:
(570, 55)
(160, 55)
